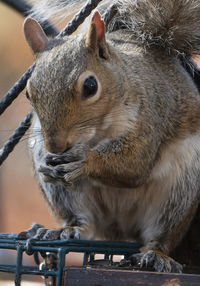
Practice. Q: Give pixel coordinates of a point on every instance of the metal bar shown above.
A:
(86, 243)
(18, 266)
(7, 268)
(8, 236)
(83, 249)
(36, 258)
(85, 258)
(92, 256)
(32, 270)
(61, 265)
(12, 239)
(110, 250)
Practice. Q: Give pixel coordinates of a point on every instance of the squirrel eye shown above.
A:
(90, 87)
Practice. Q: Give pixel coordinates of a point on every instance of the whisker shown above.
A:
(24, 138)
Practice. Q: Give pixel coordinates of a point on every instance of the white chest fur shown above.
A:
(170, 191)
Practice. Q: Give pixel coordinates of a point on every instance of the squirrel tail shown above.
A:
(170, 25)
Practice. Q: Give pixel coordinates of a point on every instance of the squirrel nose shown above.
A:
(57, 146)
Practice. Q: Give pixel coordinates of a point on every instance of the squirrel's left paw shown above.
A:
(64, 168)
(160, 262)
(156, 260)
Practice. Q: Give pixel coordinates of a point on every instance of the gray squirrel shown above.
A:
(115, 137)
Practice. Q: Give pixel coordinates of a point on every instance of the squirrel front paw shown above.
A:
(64, 168)
(153, 259)
(37, 231)
(63, 174)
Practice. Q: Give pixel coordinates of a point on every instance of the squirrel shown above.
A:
(115, 137)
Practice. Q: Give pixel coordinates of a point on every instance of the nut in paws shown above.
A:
(62, 174)
(76, 153)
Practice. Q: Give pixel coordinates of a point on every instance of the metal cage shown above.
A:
(62, 248)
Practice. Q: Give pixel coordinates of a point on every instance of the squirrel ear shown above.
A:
(96, 39)
(35, 36)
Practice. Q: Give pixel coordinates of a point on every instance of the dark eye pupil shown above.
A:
(90, 87)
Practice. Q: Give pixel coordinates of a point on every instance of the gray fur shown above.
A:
(172, 25)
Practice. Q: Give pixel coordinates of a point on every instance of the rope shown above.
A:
(21, 84)
(109, 14)
(79, 18)
(15, 137)
(15, 90)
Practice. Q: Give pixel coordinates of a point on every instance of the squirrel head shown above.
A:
(73, 86)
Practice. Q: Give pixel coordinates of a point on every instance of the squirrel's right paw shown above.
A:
(53, 175)
(64, 174)
(64, 168)
(75, 154)
(37, 231)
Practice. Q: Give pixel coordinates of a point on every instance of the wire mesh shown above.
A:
(62, 248)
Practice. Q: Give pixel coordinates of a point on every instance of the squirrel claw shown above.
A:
(156, 260)
(74, 154)
(63, 174)
(50, 176)
(38, 231)
(29, 233)
(63, 169)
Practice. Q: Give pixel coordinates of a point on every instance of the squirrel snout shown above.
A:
(57, 146)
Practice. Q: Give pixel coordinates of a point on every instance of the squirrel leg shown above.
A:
(155, 259)
(37, 231)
